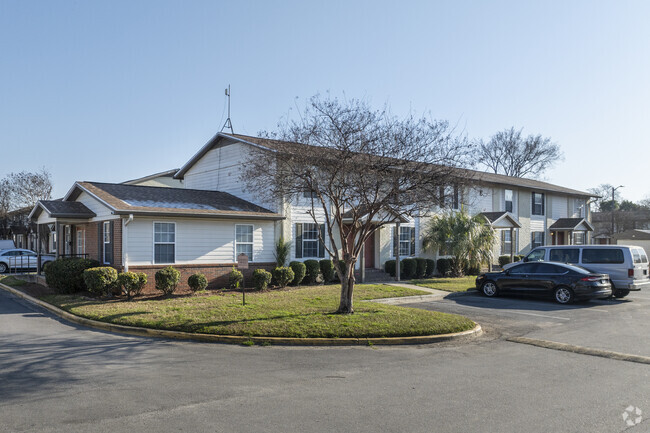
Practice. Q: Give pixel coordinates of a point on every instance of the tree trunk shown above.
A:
(347, 287)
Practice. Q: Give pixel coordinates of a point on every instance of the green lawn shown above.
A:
(11, 281)
(303, 312)
(461, 284)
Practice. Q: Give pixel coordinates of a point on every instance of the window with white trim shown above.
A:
(506, 242)
(164, 242)
(81, 242)
(406, 241)
(537, 203)
(244, 240)
(536, 239)
(308, 244)
(508, 199)
(578, 238)
(106, 243)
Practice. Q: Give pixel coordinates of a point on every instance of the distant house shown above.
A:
(638, 237)
(206, 224)
(17, 227)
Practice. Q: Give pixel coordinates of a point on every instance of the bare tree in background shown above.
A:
(30, 187)
(604, 200)
(361, 169)
(509, 153)
(6, 205)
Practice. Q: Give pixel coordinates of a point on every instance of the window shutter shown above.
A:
(100, 242)
(412, 241)
(112, 260)
(299, 241)
(321, 245)
(395, 242)
(543, 204)
(532, 203)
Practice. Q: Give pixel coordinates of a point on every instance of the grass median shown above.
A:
(305, 312)
(461, 284)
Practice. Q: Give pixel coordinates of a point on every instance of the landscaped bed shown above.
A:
(299, 312)
(461, 284)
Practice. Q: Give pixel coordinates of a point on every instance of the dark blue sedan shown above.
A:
(565, 283)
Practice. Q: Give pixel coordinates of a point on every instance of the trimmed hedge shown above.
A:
(327, 269)
(100, 281)
(431, 267)
(312, 272)
(261, 279)
(444, 267)
(283, 276)
(235, 279)
(471, 270)
(421, 270)
(504, 260)
(131, 283)
(167, 280)
(408, 269)
(390, 267)
(66, 275)
(299, 270)
(197, 282)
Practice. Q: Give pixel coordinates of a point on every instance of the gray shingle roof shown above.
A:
(569, 224)
(493, 216)
(66, 209)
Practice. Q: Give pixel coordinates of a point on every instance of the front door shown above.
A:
(560, 238)
(369, 252)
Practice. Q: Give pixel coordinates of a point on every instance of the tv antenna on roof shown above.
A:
(228, 124)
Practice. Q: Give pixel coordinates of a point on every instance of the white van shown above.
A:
(626, 265)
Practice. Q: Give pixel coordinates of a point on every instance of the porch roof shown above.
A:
(62, 209)
(502, 220)
(571, 224)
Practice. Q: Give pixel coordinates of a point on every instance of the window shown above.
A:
(308, 243)
(107, 246)
(536, 256)
(602, 255)
(164, 242)
(546, 268)
(449, 197)
(538, 203)
(639, 256)
(537, 239)
(508, 200)
(578, 238)
(309, 194)
(244, 240)
(81, 241)
(564, 255)
(506, 242)
(406, 241)
(526, 268)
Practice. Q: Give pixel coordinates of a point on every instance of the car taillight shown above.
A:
(590, 279)
(630, 273)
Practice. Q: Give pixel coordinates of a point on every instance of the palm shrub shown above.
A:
(235, 278)
(421, 271)
(261, 279)
(444, 267)
(283, 275)
(299, 270)
(167, 280)
(327, 269)
(197, 282)
(131, 283)
(431, 266)
(100, 281)
(282, 251)
(466, 238)
(312, 272)
(408, 269)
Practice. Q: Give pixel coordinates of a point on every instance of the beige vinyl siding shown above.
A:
(559, 207)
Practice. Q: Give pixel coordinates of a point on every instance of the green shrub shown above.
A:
(444, 267)
(408, 268)
(471, 270)
(312, 271)
(261, 279)
(131, 283)
(197, 282)
(282, 251)
(421, 270)
(167, 280)
(235, 278)
(299, 269)
(100, 281)
(390, 267)
(327, 269)
(66, 275)
(504, 260)
(283, 276)
(518, 257)
(431, 267)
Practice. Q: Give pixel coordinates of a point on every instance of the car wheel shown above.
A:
(564, 295)
(3, 268)
(489, 289)
(620, 293)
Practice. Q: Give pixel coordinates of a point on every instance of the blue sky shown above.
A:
(115, 90)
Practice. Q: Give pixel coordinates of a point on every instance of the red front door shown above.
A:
(369, 251)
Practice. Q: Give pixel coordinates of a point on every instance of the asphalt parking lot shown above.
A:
(618, 325)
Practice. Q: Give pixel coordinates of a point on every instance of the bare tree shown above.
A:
(361, 169)
(603, 201)
(6, 205)
(30, 187)
(509, 153)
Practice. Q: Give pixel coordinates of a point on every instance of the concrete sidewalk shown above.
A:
(434, 295)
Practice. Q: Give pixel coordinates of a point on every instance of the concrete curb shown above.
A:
(581, 350)
(235, 339)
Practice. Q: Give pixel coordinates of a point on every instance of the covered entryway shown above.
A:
(570, 231)
(505, 224)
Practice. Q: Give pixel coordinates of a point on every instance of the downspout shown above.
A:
(125, 242)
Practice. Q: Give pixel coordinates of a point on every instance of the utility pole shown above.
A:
(613, 209)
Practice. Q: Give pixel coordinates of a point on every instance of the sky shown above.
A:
(114, 90)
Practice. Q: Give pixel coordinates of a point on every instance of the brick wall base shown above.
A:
(216, 274)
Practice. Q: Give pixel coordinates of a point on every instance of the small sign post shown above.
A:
(242, 263)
